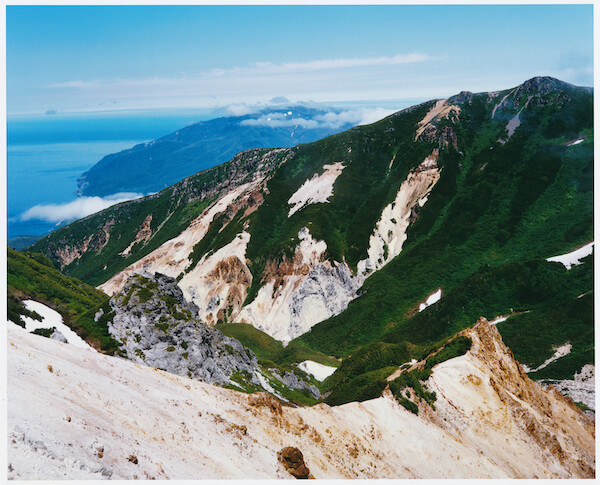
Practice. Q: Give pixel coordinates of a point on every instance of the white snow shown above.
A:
(573, 258)
(499, 318)
(431, 299)
(317, 189)
(558, 353)
(576, 142)
(319, 371)
(51, 318)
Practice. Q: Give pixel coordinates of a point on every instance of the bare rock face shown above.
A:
(159, 328)
(293, 461)
(486, 397)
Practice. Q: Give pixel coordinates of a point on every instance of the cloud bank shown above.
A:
(332, 119)
(76, 209)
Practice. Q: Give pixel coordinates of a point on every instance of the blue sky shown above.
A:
(104, 58)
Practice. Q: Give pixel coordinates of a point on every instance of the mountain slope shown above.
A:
(78, 414)
(350, 236)
(152, 166)
(31, 276)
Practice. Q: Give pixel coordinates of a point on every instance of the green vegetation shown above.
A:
(412, 379)
(459, 345)
(264, 346)
(269, 350)
(44, 332)
(533, 337)
(31, 276)
(366, 386)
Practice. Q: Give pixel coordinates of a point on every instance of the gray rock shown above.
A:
(159, 328)
(57, 335)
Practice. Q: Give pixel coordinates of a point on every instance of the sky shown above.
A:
(81, 59)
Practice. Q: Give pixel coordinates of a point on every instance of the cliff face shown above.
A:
(485, 396)
(67, 415)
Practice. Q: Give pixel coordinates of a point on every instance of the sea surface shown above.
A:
(46, 154)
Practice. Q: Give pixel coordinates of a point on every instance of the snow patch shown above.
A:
(51, 318)
(431, 299)
(573, 258)
(499, 318)
(319, 371)
(558, 353)
(317, 189)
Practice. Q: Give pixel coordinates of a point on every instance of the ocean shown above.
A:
(46, 154)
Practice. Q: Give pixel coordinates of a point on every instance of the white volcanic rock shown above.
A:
(390, 232)
(220, 280)
(172, 257)
(317, 189)
(310, 291)
(75, 415)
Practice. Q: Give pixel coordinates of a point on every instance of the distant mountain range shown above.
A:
(152, 166)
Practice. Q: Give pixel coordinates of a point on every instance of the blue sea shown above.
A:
(46, 154)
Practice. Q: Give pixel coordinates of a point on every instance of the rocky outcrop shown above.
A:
(159, 328)
(485, 396)
(293, 461)
(301, 292)
(66, 253)
(143, 235)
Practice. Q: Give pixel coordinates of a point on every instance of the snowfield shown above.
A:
(81, 415)
(558, 353)
(51, 318)
(431, 299)
(319, 371)
(573, 258)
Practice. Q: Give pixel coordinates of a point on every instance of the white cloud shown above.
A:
(76, 209)
(325, 80)
(323, 64)
(240, 109)
(332, 119)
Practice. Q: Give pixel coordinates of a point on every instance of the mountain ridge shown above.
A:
(334, 245)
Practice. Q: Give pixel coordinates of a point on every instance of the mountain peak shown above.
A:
(544, 85)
